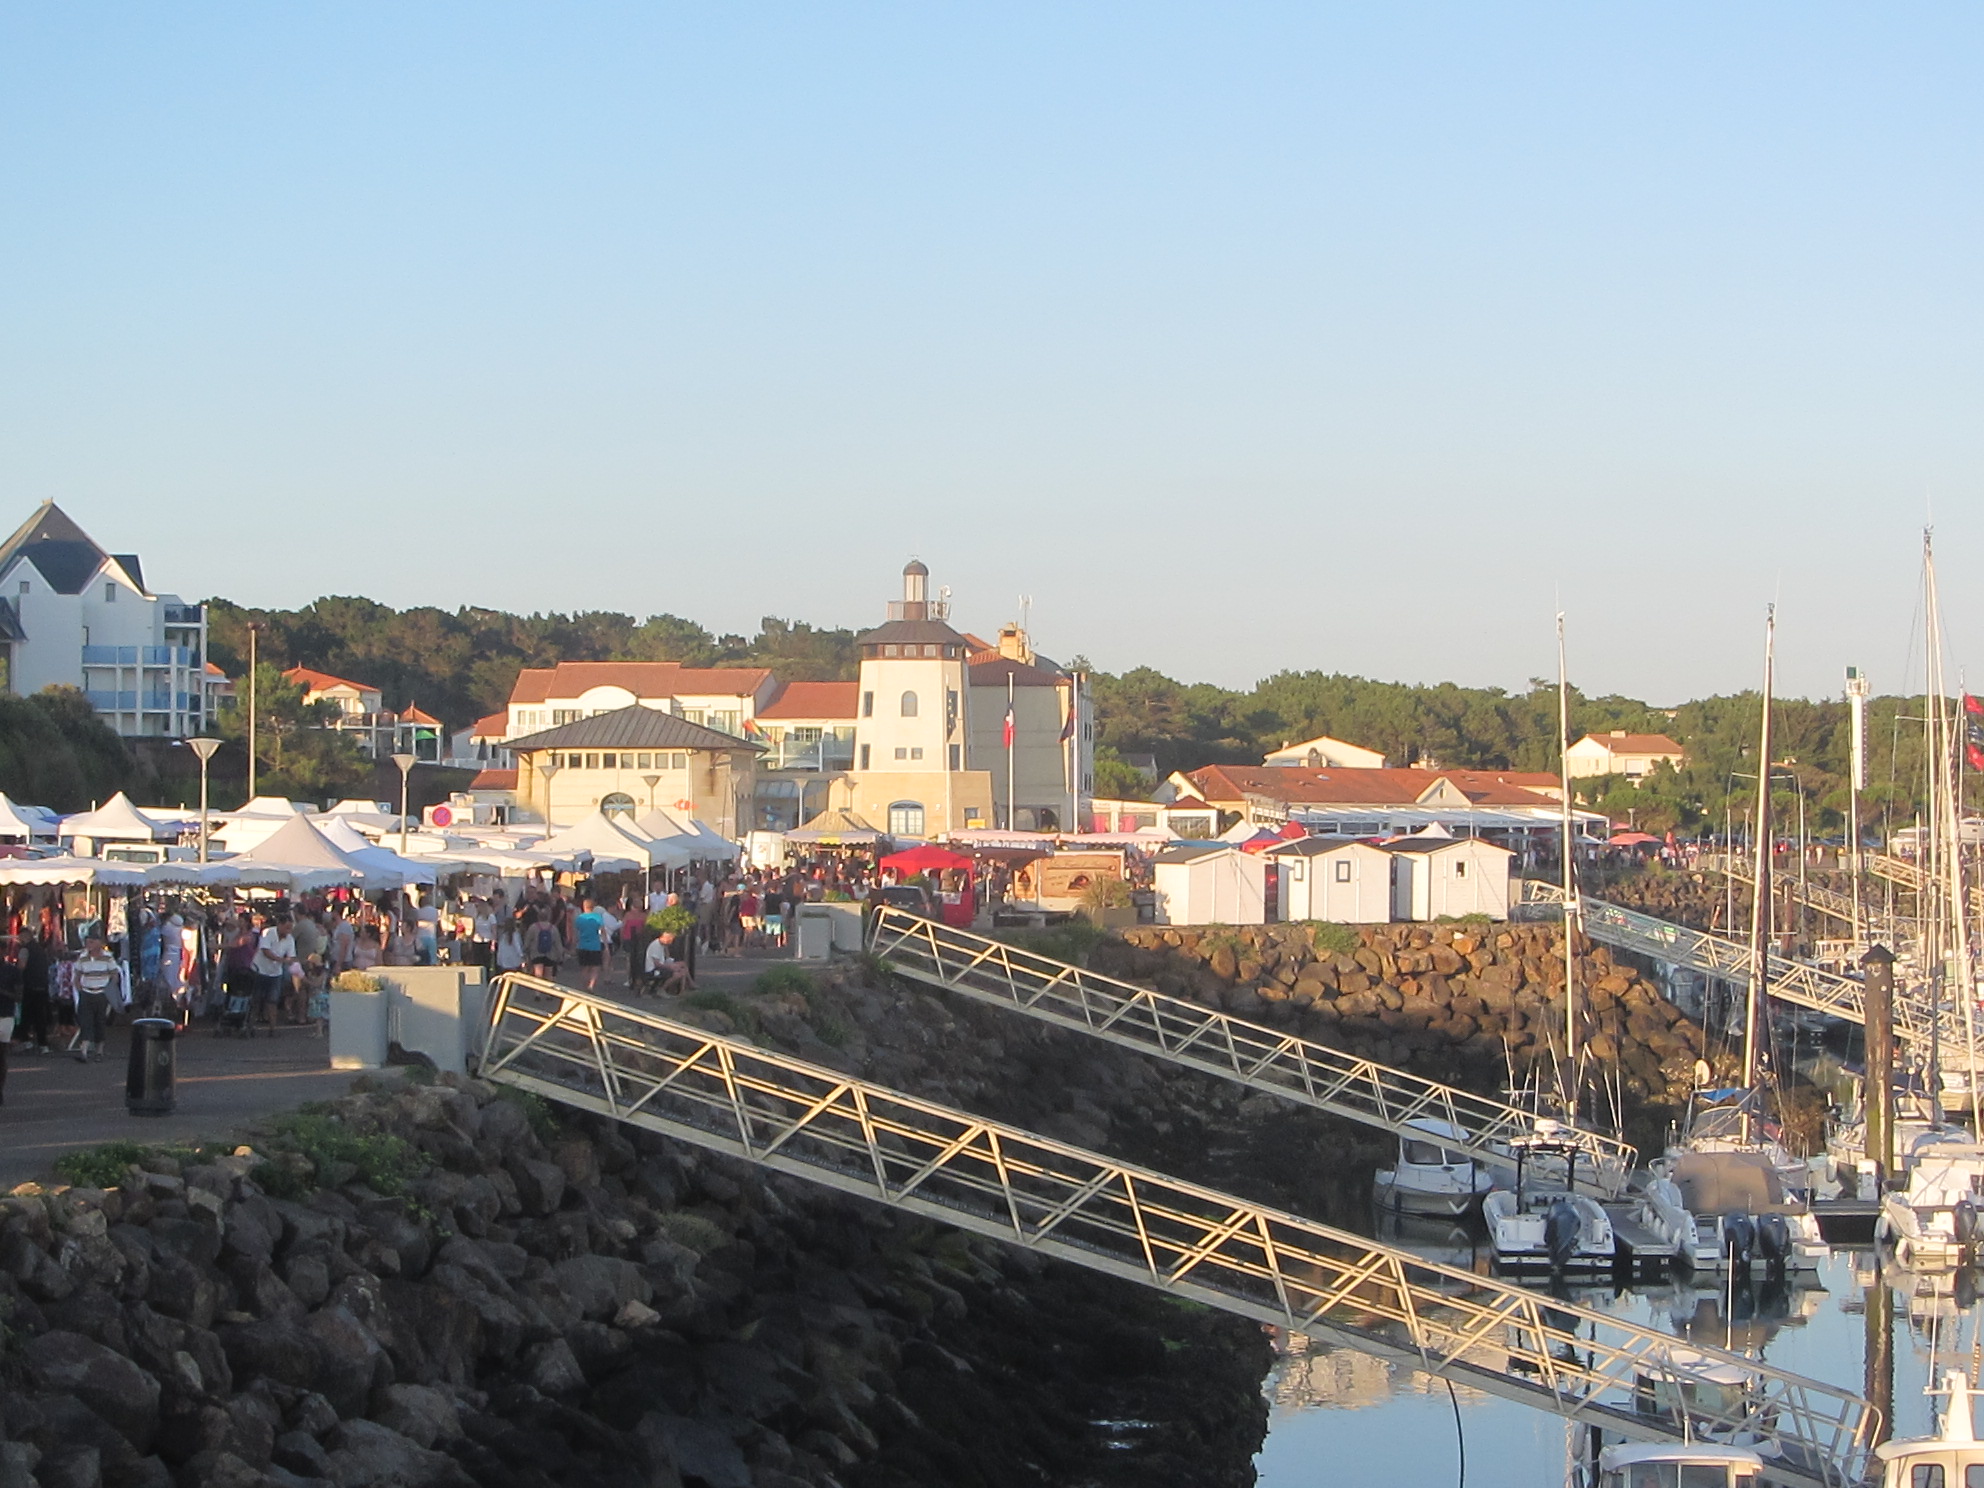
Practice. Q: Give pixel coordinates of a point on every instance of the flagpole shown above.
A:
(1012, 733)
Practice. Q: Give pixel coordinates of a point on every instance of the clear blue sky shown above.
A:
(1240, 337)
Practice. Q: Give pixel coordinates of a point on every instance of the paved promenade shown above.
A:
(55, 1105)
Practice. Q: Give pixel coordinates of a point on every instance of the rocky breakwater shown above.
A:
(442, 1284)
(1458, 1002)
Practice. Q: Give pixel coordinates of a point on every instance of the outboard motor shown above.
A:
(1739, 1239)
(1964, 1221)
(1560, 1233)
(1774, 1242)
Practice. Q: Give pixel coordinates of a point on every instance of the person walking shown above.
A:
(276, 966)
(10, 999)
(36, 1014)
(97, 981)
(543, 945)
(589, 939)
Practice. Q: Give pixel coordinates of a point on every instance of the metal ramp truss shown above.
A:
(1729, 960)
(998, 1181)
(1203, 1038)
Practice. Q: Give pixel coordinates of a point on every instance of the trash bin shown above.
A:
(148, 1077)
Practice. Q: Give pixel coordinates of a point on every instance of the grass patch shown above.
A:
(1338, 940)
(100, 1167)
(324, 1152)
(781, 980)
(829, 1022)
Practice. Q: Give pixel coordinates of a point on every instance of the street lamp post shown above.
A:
(650, 781)
(405, 762)
(204, 748)
(547, 770)
(254, 630)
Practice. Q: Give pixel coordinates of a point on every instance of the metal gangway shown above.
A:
(1728, 960)
(1000, 1181)
(1815, 897)
(1217, 1043)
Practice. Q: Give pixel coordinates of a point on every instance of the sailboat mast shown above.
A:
(1570, 878)
(1760, 908)
(1946, 832)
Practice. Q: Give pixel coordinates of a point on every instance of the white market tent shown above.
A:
(91, 871)
(298, 856)
(611, 845)
(21, 822)
(370, 814)
(202, 875)
(116, 820)
(704, 842)
(837, 828)
(244, 830)
(347, 839)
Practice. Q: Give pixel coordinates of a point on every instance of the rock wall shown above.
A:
(541, 1301)
(1455, 1002)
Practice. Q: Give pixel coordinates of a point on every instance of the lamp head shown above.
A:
(404, 761)
(203, 747)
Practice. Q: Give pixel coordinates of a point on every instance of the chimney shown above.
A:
(1013, 644)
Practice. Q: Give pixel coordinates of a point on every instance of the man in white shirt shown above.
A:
(275, 964)
(98, 983)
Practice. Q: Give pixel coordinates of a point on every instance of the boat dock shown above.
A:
(1638, 1251)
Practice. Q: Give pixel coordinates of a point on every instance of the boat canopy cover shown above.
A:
(1729, 1183)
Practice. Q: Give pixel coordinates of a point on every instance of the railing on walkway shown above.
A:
(1009, 1184)
(1264, 1058)
(1729, 960)
(1813, 896)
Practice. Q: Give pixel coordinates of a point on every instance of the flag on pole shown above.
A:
(1008, 733)
(1973, 732)
(1068, 727)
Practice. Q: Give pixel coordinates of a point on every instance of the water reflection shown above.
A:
(1342, 1419)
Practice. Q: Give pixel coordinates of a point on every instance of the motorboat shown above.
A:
(1717, 1401)
(1429, 1178)
(1933, 1220)
(1728, 1210)
(1952, 1458)
(1687, 1465)
(1543, 1223)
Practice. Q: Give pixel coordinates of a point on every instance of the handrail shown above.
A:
(1729, 960)
(1206, 1039)
(1000, 1181)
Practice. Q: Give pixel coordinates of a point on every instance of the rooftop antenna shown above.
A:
(1026, 609)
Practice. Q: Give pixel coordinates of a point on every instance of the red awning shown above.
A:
(925, 859)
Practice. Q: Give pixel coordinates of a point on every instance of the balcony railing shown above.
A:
(150, 656)
(113, 702)
(184, 615)
(816, 754)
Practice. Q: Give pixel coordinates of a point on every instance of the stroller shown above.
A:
(237, 1012)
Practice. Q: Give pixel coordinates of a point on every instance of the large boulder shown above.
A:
(108, 1383)
(364, 1454)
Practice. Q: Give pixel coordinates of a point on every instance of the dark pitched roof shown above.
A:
(995, 669)
(631, 727)
(912, 632)
(129, 563)
(10, 622)
(63, 552)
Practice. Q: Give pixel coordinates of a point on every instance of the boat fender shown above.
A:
(1560, 1233)
(1739, 1238)
(1964, 1221)
(1774, 1240)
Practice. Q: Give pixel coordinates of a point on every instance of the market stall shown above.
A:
(952, 876)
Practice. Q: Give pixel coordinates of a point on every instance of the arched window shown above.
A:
(909, 705)
(906, 819)
(617, 804)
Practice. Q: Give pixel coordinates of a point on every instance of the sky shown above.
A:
(1239, 337)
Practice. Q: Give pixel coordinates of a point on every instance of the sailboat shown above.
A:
(1543, 1222)
(1727, 1193)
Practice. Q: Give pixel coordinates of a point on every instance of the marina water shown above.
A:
(1340, 1419)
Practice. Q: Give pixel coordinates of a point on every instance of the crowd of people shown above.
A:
(268, 965)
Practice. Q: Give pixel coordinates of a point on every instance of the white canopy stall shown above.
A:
(297, 856)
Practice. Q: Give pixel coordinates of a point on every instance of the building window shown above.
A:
(916, 753)
(1343, 870)
(867, 705)
(617, 804)
(901, 753)
(909, 705)
(564, 715)
(644, 762)
(888, 650)
(864, 756)
(1460, 869)
(723, 723)
(930, 651)
(592, 762)
(693, 715)
(609, 762)
(25, 586)
(110, 594)
(957, 756)
(906, 819)
(678, 761)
